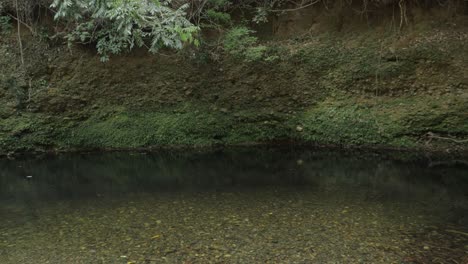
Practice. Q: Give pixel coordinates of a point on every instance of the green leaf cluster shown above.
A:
(5, 24)
(116, 26)
(240, 43)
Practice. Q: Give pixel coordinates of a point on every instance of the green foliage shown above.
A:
(26, 132)
(238, 39)
(261, 15)
(5, 24)
(212, 13)
(347, 124)
(370, 66)
(240, 43)
(120, 25)
(255, 53)
(181, 126)
(397, 122)
(43, 34)
(219, 3)
(392, 122)
(218, 17)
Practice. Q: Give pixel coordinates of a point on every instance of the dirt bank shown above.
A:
(366, 82)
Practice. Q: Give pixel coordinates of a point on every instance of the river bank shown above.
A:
(363, 85)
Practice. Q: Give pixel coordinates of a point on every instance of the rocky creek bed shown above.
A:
(262, 205)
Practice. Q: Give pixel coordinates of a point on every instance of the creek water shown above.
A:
(244, 205)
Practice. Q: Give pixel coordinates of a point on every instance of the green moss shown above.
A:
(195, 126)
(397, 122)
(393, 122)
(420, 85)
(27, 132)
(333, 122)
(368, 64)
(131, 129)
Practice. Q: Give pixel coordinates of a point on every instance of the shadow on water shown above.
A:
(76, 176)
(389, 180)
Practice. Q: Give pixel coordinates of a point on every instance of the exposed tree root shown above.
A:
(430, 136)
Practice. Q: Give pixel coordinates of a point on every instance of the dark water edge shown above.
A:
(447, 152)
(237, 205)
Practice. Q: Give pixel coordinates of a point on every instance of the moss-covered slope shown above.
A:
(364, 88)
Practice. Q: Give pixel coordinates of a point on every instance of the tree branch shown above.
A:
(431, 135)
(23, 23)
(19, 36)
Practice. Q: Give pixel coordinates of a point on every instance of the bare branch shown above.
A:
(19, 35)
(23, 23)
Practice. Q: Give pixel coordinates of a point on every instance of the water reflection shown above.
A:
(75, 176)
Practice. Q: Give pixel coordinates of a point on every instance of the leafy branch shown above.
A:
(116, 26)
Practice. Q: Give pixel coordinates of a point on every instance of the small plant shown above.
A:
(5, 24)
(43, 34)
(211, 13)
(217, 17)
(42, 83)
(240, 43)
(255, 53)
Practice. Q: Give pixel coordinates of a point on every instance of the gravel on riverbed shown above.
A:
(263, 225)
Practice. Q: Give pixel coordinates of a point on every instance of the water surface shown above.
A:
(262, 205)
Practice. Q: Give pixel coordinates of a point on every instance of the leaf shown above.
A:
(155, 236)
(118, 26)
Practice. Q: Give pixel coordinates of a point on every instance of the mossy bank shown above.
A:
(362, 85)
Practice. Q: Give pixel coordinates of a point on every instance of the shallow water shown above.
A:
(263, 205)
